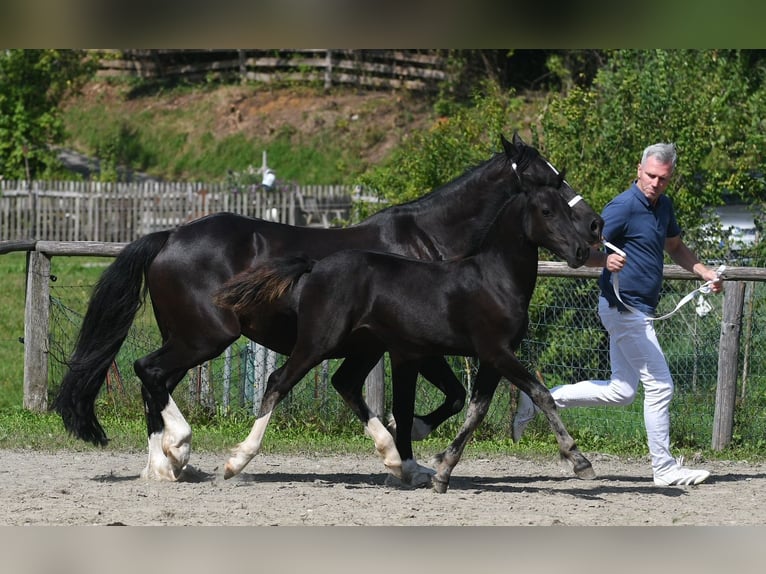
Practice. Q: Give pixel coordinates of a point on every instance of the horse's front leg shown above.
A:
(543, 400)
(481, 397)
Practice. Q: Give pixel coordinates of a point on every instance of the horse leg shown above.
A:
(484, 387)
(515, 372)
(404, 377)
(244, 452)
(169, 433)
(280, 383)
(437, 371)
(348, 380)
(169, 438)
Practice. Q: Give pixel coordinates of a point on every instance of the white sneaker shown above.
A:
(679, 475)
(525, 412)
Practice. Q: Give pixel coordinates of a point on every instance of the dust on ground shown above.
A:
(104, 488)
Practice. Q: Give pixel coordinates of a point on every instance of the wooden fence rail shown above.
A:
(418, 70)
(37, 324)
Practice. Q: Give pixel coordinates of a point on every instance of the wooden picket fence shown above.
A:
(122, 212)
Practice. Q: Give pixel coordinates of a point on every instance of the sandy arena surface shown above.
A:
(104, 488)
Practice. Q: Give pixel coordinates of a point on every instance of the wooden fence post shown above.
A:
(375, 388)
(728, 355)
(36, 317)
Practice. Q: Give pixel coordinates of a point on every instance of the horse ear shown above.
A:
(517, 141)
(511, 150)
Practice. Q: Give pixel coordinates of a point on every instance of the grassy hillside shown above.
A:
(311, 136)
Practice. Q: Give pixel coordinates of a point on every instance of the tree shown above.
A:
(710, 103)
(33, 84)
(457, 141)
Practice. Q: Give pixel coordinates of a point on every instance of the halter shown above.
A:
(527, 160)
(702, 306)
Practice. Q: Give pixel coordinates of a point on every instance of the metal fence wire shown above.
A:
(566, 343)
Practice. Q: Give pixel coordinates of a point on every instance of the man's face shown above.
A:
(653, 178)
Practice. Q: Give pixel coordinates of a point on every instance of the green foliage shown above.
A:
(32, 85)
(711, 104)
(463, 139)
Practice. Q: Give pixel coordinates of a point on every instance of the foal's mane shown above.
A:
(516, 193)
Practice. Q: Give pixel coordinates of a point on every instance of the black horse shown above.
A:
(360, 304)
(182, 268)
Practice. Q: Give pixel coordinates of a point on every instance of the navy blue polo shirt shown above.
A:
(640, 229)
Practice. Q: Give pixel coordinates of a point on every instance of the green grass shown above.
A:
(12, 287)
(189, 142)
(70, 272)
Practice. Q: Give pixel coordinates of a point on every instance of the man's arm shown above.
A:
(684, 257)
(597, 258)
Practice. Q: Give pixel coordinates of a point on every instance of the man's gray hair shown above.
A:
(663, 152)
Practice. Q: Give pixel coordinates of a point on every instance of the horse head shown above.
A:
(545, 220)
(527, 162)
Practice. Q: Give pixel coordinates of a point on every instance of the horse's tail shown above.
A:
(116, 299)
(265, 282)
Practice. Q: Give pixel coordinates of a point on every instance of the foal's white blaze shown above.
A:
(248, 448)
(384, 444)
(169, 450)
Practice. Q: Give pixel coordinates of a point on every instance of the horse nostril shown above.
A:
(595, 226)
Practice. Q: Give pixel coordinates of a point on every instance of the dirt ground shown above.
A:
(104, 488)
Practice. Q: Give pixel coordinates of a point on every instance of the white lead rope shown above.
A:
(704, 288)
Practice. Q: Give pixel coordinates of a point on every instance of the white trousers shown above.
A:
(635, 355)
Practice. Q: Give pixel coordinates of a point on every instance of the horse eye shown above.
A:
(547, 212)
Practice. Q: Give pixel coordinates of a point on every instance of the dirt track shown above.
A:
(101, 488)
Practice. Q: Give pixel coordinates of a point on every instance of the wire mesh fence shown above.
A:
(566, 343)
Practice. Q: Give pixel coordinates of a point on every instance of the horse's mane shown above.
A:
(486, 169)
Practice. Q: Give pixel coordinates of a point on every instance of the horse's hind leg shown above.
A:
(438, 372)
(169, 438)
(280, 382)
(404, 377)
(348, 380)
(481, 397)
(169, 433)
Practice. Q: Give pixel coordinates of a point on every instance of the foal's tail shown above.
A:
(265, 282)
(113, 306)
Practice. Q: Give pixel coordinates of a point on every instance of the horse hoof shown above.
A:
(229, 472)
(420, 430)
(416, 475)
(439, 486)
(585, 471)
